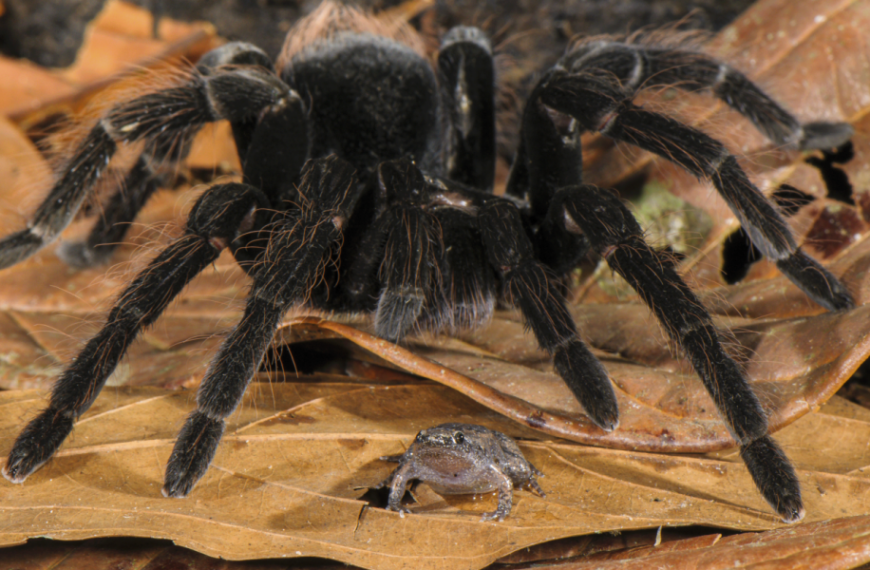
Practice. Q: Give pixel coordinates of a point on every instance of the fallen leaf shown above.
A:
(118, 42)
(664, 405)
(47, 310)
(812, 58)
(835, 544)
(22, 169)
(287, 478)
(298, 456)
(32, 88)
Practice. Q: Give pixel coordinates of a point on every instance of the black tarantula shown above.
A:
(368, 181)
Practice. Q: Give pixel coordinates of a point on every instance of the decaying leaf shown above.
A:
(663, 404)
(48, 310)
(292, 472)
(298, 456)
(813, 58)
(836, 544)
(117, 41)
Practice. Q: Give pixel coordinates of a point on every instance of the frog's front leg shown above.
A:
(398, 482)
(505, 497)
(534, 486)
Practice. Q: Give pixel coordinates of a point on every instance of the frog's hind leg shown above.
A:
(505, 500)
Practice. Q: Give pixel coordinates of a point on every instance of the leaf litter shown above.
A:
(298, 456)
(289, 477)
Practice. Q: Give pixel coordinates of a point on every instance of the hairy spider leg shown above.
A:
(598, 105)
(404, 271)
(273, 155)
(467, 77)
(463, 294)
(616, 235)
(404, 231)
(292, 266)
(552, 178)
(225, 92)
(453, 286)
(530, 284)
(611, 230)
(115, 216)
(531, 287)
(215, 221)
(549, 157)
(167, 147)
(223, 215)
(635, 66)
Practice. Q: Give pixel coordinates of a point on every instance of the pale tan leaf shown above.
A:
(297, 457)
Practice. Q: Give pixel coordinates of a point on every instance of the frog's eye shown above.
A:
(459, 437)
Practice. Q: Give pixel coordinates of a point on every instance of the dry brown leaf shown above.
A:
(812, 57)
(40, 335)
(835, 544)
(22, 170)
(665, 407)
(118, 41)
(286, 485)
(32, 89)
(297, 457)
(136, 554)
(47, 310)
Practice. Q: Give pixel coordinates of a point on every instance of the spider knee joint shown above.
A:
(239, 93)
(716, 163)
(470, 34)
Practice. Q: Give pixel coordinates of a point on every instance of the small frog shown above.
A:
(456, 459)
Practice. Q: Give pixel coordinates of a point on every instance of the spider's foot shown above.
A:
(36, 444)
(775, 478)
(194, 450)
(816, 281)
(586, 377)
(825, 135)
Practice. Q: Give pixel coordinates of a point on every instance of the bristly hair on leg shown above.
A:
(368, 172)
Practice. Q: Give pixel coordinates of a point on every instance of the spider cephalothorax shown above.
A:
(368, 176)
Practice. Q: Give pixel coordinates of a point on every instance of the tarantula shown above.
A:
(368, 178)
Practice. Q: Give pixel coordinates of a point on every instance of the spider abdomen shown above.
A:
(371, 99)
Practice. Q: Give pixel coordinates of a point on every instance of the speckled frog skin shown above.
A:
(456, 459)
